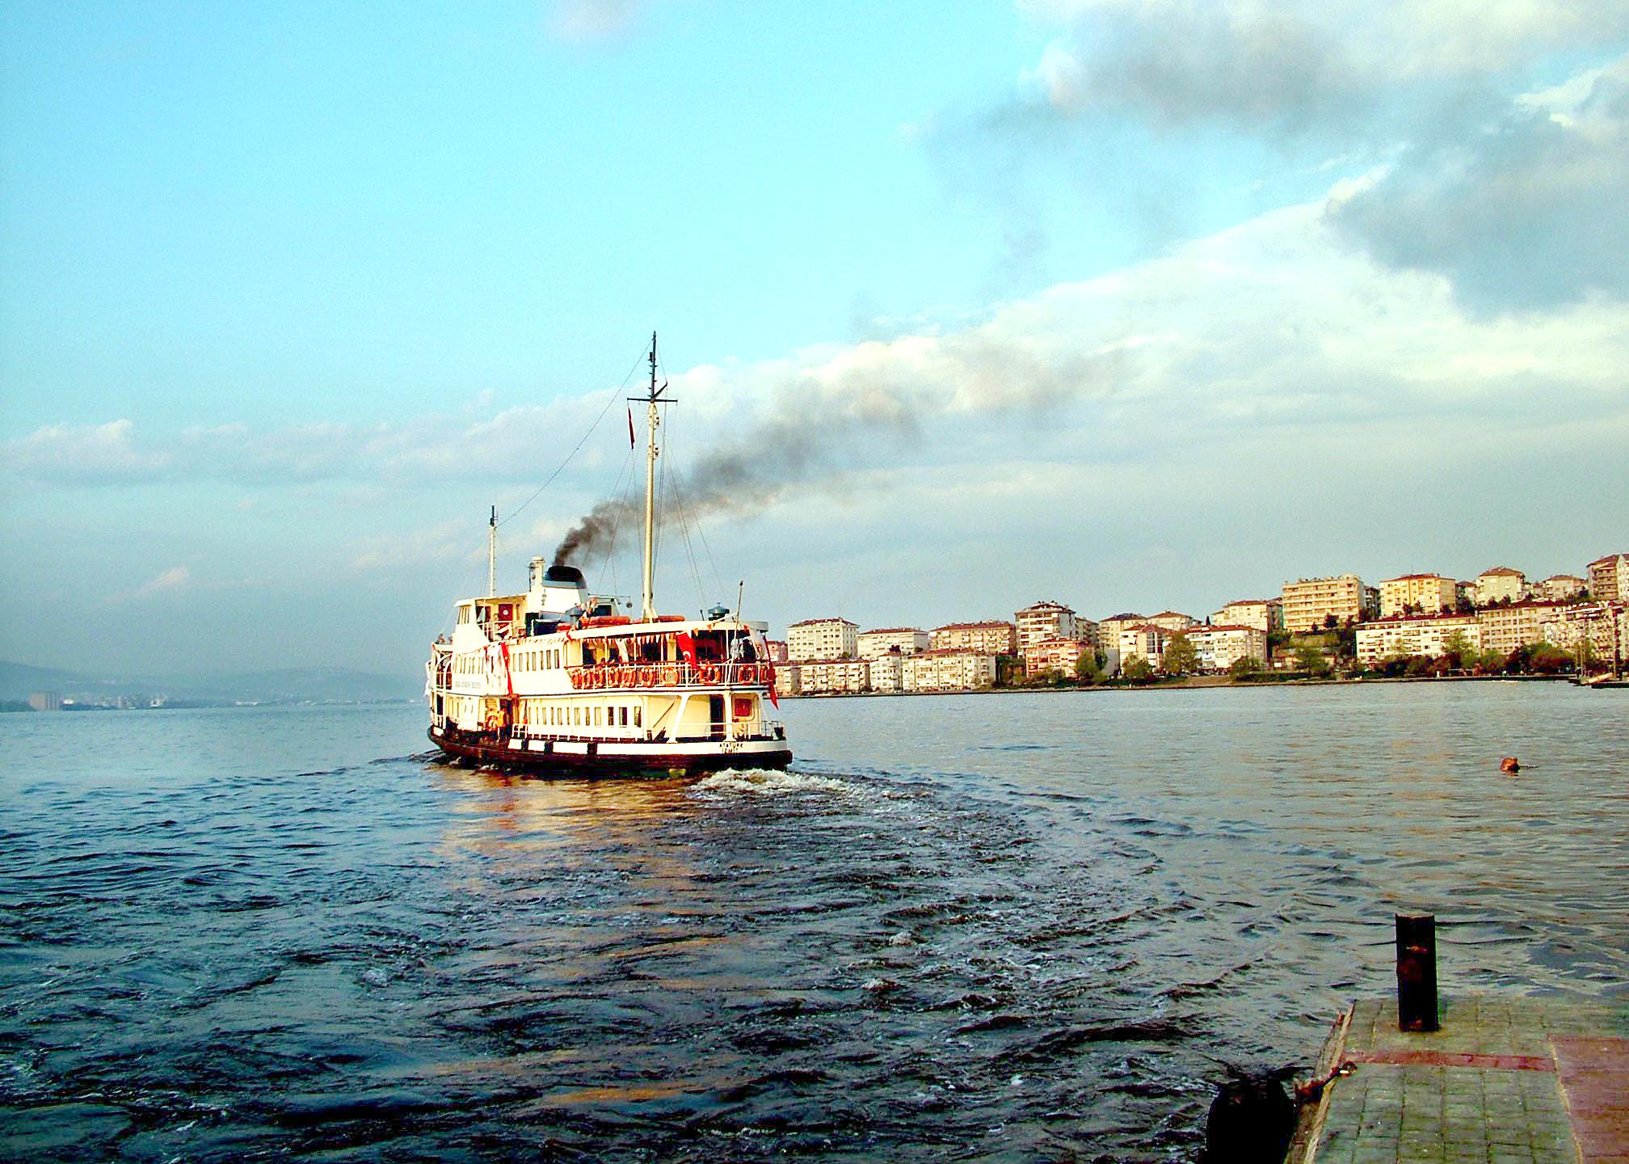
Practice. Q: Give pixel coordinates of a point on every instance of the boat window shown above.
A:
(637, 717)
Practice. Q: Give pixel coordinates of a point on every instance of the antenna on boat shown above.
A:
(653, 421)
(492, 554)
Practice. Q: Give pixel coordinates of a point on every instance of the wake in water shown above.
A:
(770, 782)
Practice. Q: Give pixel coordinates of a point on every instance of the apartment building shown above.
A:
(1044, 620)
(1520, 624)
(1265, 614)
(1417, 594)
(1609, 578)
(1219, 647)
(905, 640)
(1500, 584)
(821, 638)
(1173, 620)
(985, 638)
(833, 676)
(948, 670)
(1560, 587)
(1310, 601)
(1425, 634)
(1055, 655)
(888, 671)
(1605, 624)
(1143, 641)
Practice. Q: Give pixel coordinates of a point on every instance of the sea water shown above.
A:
(995, 927)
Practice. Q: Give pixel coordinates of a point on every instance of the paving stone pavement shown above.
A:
(1505, 1081)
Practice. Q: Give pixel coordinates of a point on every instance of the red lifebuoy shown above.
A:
(709, 673)
(746, 673)
(577, 679)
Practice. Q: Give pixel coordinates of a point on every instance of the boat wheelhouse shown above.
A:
(557, 680)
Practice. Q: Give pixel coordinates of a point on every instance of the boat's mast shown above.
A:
(652, 420)
(492, 554)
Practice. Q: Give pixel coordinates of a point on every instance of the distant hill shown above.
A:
(292, 685)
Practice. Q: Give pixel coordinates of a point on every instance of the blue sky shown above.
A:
(1135, 305)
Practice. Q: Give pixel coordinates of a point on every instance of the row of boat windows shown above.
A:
(580, 716)
(533, 659)
(554, 715)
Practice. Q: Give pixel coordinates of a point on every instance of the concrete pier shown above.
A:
(1503, 1081)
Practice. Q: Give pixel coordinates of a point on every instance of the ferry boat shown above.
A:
(558, 681)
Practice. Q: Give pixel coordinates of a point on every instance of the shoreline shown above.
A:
(1191, 683)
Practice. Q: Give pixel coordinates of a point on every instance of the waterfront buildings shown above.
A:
(833, 676)
(1311, 602)
(1609, 578)
(888, 671)
(1219, 647)
(1425, 634)
(948, 670)
(1508, 627)
(904, 640)
(1173, 620)
(1417, 594)
(985, 638)
(1059, 654)
(1044, 620)
(1265, 614)
(821, 638)
(1143, 641)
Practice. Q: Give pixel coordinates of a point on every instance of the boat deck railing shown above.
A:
(630, 676)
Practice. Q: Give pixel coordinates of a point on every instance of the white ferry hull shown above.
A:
(609, 757)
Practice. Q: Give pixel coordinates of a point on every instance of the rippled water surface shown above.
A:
(1020, 927)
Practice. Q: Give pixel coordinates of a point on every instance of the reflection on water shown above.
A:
(1018, 927)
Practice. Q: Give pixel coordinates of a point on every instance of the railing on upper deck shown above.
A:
(631, 676)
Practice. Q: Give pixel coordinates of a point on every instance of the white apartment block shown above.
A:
(1108, 629)
(1500, 584)
(888, 671)
(985, 638)
(1424, 593)
(1145, 641)
(1220, 647)
(1173, 620)
(1265, 614)
(907, 640)
(1309, 602)
(1422, 635)
(1055, 655)
(948, 670)
(1560, 587)
(1609, 578)
(1605, 623)
(821, 638)
(1044, 620)
(833, 676)
(1521, 624)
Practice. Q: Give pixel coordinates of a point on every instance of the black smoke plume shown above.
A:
(821, 424)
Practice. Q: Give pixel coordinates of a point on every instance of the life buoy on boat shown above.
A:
(709, 673)
(577, 679)
(670, 675)
(746, 673)
(492, 722)
(647, 676)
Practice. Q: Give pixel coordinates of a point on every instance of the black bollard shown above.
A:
(1416, 972)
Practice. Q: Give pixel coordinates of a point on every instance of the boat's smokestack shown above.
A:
(558, 588)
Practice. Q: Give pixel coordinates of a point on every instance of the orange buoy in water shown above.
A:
(1510, 765)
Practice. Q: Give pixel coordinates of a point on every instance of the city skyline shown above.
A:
(1132, 303)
